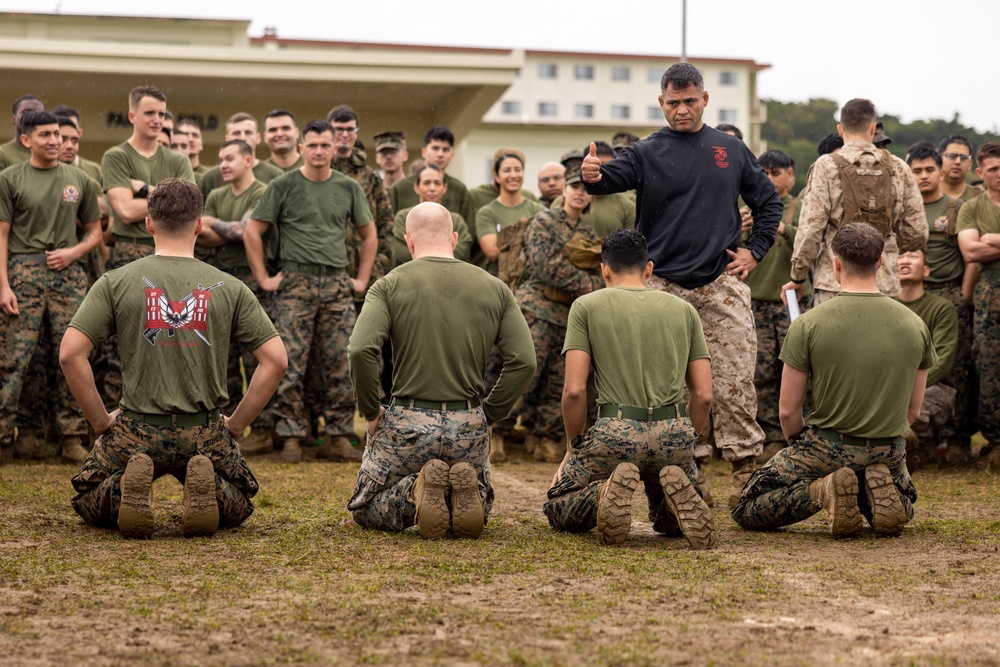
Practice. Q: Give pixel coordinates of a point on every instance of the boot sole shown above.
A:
(467, 518)
(614, 510)
(135, 516)
(846, 514)
(888, 515)
(201, 508)
(432, 517)
(690, 510)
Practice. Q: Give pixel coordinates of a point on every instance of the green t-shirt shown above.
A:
(970, 193)
(174, 317)
(13, 152)
(199, 171)
(298, 164)
(772, 272)
(212, 179)
(862, 352)
(43, 206)
(939, 316)
(401, 254)
(608, 212)
(641, 342)
(943, 256)
(312, 217)
(443, 316)
(92, 169)
(487, 192)
(122, 163)
(495, 216)
(982, 215)
(223, 205)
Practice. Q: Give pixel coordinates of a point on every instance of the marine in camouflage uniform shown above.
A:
(851, 457)
(548, 286)
(978, 230)
(42, 282)
(168, 413)
(642, 344)
(314, 295)
(823, 214)
(435, 417)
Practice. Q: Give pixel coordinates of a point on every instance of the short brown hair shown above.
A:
(175, 206)
(987, 151)
(140, 92)
(857, 115)
(240, 117)
(342, 114)
(859, 247)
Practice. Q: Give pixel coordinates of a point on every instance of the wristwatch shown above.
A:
(143, 191)
(754, 253)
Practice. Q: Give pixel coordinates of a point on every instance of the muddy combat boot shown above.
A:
(430, 493)
(291, 452)
(916, 453)
(770, 449)
(201, 508)
(837, 493)
(742, 469)
(467, 517)
(706, 495)
(550, 451)
(257, 442)
(690, 510)
(72, 450)
(888, 515)
(27, 447)
(497, 452)
(339, 450)
(135, 516)
(614, 504)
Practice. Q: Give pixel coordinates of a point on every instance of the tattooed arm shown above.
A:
(215, 232)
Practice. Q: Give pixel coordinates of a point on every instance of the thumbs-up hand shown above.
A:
(591, 168)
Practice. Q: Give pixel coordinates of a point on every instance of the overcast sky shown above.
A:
(914, 58)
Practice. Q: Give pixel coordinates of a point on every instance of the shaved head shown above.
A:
(429, 230)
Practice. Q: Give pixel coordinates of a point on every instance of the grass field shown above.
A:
(300, 583)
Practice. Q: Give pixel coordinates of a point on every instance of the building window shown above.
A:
(654, 113)
(510, 108)
(654, 74)
(584, 72)
(620, 112)
(548, 109)
(548, 71)
(728, 116)
(621, 74)
(584, 111)
(727, 78)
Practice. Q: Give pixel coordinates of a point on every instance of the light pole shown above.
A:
(684, 31)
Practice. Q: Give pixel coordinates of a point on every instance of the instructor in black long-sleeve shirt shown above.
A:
(688, 179)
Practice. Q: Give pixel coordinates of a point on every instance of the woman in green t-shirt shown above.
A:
(509, 207)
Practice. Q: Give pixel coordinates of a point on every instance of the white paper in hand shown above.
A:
(793, 304)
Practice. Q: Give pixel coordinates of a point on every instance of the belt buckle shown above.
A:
(444, 406)
(173, 420)
(649, 414)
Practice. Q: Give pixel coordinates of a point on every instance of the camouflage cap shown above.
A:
(623, 139)
(390, 139)
(571, 155)
(880, 135)
(574, 174)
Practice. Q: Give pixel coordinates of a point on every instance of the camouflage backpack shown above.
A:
(867, 192)
(510, 241)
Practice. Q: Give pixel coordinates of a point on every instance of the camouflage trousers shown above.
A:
(726, 317)
(544, 393)
(935, 412)
(572, 503)
(777, 494)
(987, 354)
(239, 352)
(771, 322)
(98, 484)
(963, 371)
(43, 296)
(525, 406)
(108, 366)
(40, 386)
(406, 439)
(315, 310)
